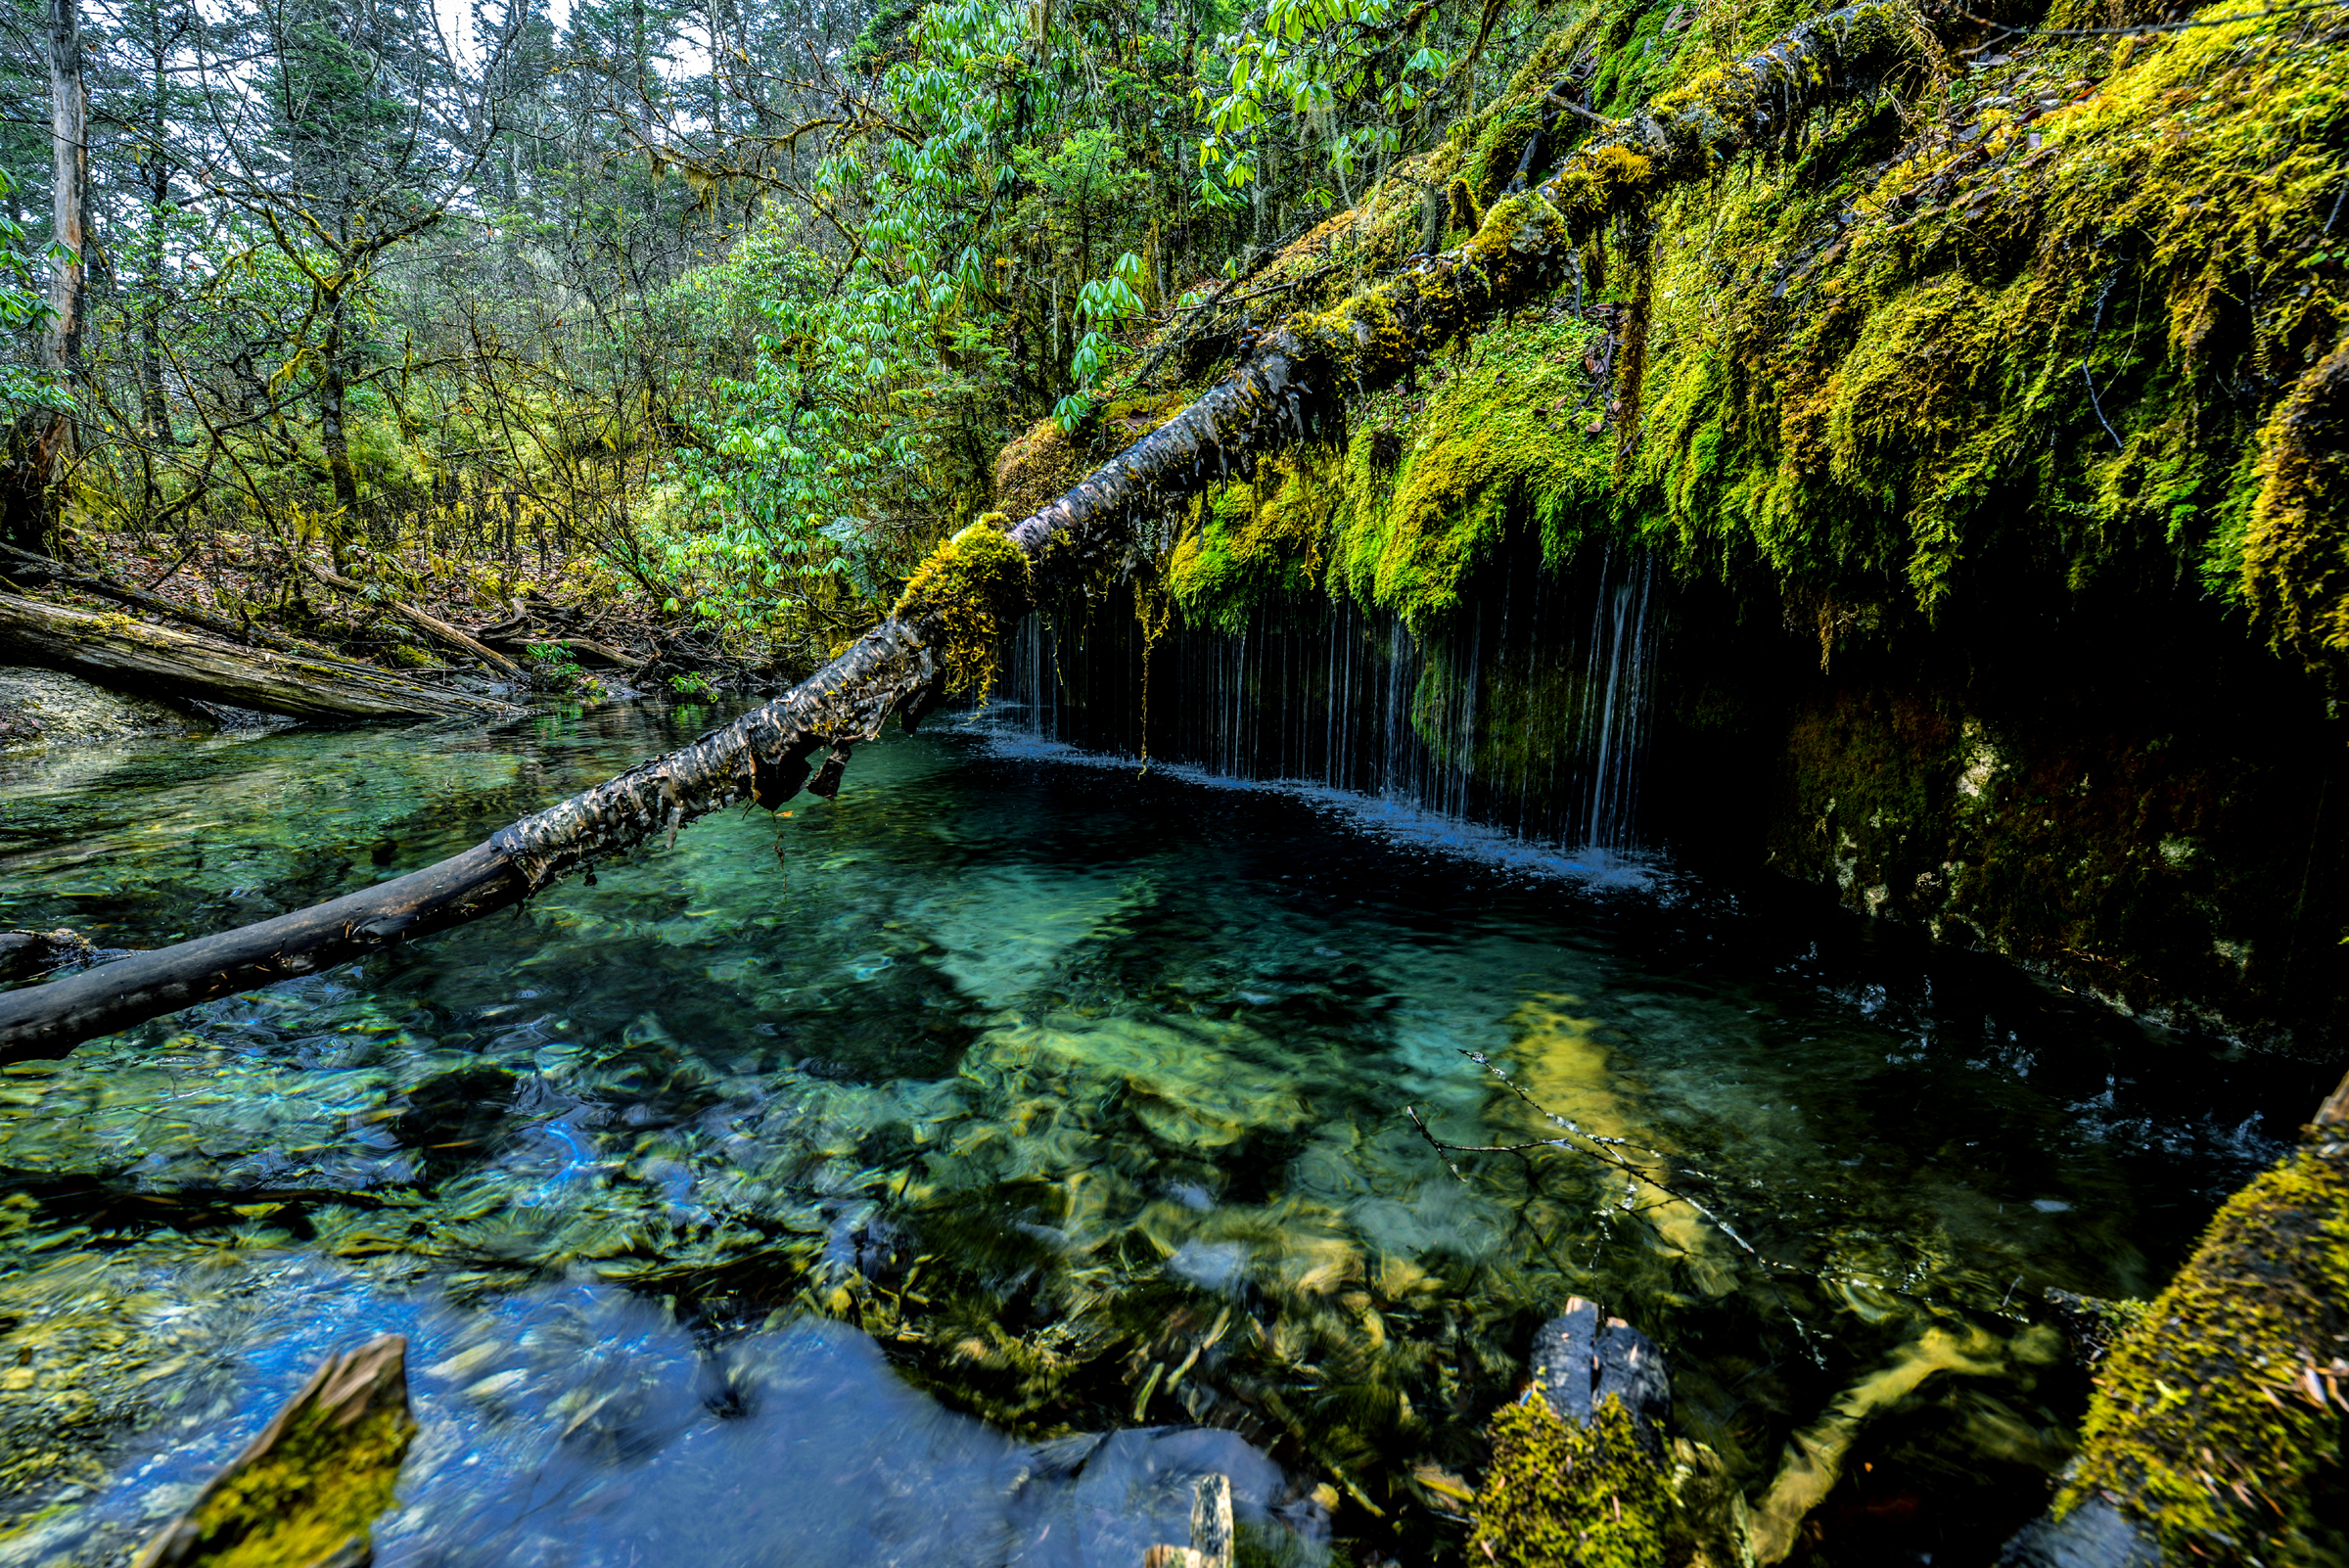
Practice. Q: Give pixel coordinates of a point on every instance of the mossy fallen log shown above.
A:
(1292, 385)
(305, 1492)
(2215, 1432)
(24, 569)
(114, 650)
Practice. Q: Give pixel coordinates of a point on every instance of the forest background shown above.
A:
(729, 307)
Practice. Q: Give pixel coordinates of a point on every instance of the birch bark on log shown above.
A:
(1291, 386)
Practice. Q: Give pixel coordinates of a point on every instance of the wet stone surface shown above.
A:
(908, 1174)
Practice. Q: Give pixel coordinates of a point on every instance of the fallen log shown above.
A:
(2215, 1432)
(114, 650)
(31, 570)
(1293, 385)
(431, 625)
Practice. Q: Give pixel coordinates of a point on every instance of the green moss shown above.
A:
(1254, 542)
(1505, 433)
(321, 1485)
(2295, 545)
(2217, 1420)
(1562, 1494)
(977, 584)
(1423, 490)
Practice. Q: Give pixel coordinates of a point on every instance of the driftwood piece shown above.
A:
(1294, 383)
(114, 650)
(431, 625)
(1210, 1530)
(305, 1493)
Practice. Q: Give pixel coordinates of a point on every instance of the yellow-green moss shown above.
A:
(1423, 489)
(1508, 431)
(1254, 542)
(2296, 547)
(1044, 462)
(317, 1488)
(2217, 1420)
(1876, 377)
(1562, 1494)
(977, 583)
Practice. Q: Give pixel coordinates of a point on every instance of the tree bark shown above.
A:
(117, 651)
(40, 439)
(331, 392)
(69, 135)
(1292, 386)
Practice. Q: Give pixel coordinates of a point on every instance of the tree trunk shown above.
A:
(1293, 385)
(155, 413)
(69, 135)
(331, 393)
(40, 439)
(114, 650)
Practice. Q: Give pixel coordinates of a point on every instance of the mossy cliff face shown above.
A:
(2156, 825)
(1988, 421)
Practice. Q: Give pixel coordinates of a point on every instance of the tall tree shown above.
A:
(42, 440)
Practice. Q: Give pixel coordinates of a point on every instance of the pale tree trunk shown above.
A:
(68, 134)
(42, 440)
(1294, 385)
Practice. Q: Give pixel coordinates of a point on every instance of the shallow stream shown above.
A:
(823, 1190)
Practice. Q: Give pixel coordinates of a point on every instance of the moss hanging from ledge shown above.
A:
(2296, 549)
(977, 586)
(1424, 489)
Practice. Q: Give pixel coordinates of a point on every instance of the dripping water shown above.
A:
(1530, 712)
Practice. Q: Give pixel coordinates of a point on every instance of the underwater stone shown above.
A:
(2095, 1535)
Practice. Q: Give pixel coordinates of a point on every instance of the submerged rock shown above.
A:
(47, 707)
(26, 953)
(305, 1493)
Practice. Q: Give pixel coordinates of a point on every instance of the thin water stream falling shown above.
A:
(1529, 712)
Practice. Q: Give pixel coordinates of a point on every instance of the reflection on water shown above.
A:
(842, 1179)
